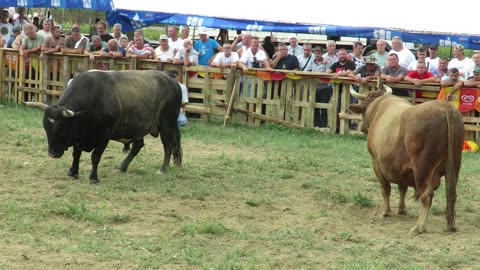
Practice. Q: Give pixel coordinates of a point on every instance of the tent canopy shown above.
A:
(322, 18)
(106, 5)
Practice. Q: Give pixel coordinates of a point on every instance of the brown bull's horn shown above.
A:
(37, 105)
(357, 95)
(388, 89)
(68, 113)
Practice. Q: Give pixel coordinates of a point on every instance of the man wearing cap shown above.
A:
(206, 47)
(75, 43)
(165, 52)
(474, 82)
(464, 64)
(294, 49)
(368, 72)
(432, 59)
(17, 36)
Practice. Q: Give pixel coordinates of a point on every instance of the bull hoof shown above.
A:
(416, 231)
(73, 175)
(387, 214)
(94, 181)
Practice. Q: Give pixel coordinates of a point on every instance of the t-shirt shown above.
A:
(94, 48)
(288, 63)
(249, 58)
(205, 50)
(339, 67)
(221, 58)
(6, 31)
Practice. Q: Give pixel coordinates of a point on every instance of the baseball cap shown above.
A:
(476, 70)
(163, 37)
(75, 29)
(459, 47)
(317, 48)
(370, 59)
(16, 28)
(203, 31)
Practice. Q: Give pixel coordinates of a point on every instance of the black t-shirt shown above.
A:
(339, 67)
(288, 63)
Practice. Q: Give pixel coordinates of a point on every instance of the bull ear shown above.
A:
(388, 89)
(357, 95)
(37, 105)
(356, 108)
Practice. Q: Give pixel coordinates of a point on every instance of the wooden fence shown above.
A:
(285, 97)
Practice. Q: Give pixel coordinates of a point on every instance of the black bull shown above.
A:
(99, 106)
(413, 146)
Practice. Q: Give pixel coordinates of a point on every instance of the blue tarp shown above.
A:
(131, 19)
(106, 5)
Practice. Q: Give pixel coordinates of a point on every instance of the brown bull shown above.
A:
(413, 146)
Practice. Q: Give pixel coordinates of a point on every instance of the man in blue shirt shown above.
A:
(206, 47)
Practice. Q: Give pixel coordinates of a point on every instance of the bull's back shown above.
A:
(144, 97)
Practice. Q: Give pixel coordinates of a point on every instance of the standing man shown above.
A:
(432, 59)
(306, 58)
(117, 32)
(283, 60)
(405, 56)
(464, 64)
(294, 49)
(356, 55)
(101, 27)
(5, 28)
(75, 43)
(173, 39)
(206, 47)
(46, 31)
(381, 53)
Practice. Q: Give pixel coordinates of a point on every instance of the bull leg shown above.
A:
(402, 206)
(73, 171)
(96, 156)
(426, 200)
(136, 146)
(168, 132)
(386, 190)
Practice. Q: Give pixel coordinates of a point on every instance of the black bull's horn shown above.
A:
(37, 105)
(388, 91)
(43, 106)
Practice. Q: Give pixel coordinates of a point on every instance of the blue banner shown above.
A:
(132, 20)
(106, 5)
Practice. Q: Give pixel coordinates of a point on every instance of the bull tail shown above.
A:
(177, 151)
(451, 174)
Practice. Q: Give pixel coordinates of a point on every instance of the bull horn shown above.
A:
(357, 95)
(388, 89)
(37, 105)
(68, 113)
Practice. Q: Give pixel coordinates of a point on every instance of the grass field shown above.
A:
(245, 198)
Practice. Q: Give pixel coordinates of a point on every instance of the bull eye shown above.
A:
(51, 120)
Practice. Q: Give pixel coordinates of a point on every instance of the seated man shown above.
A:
(139, 49)
(75, 43)
(95, 47)
(113, 50)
